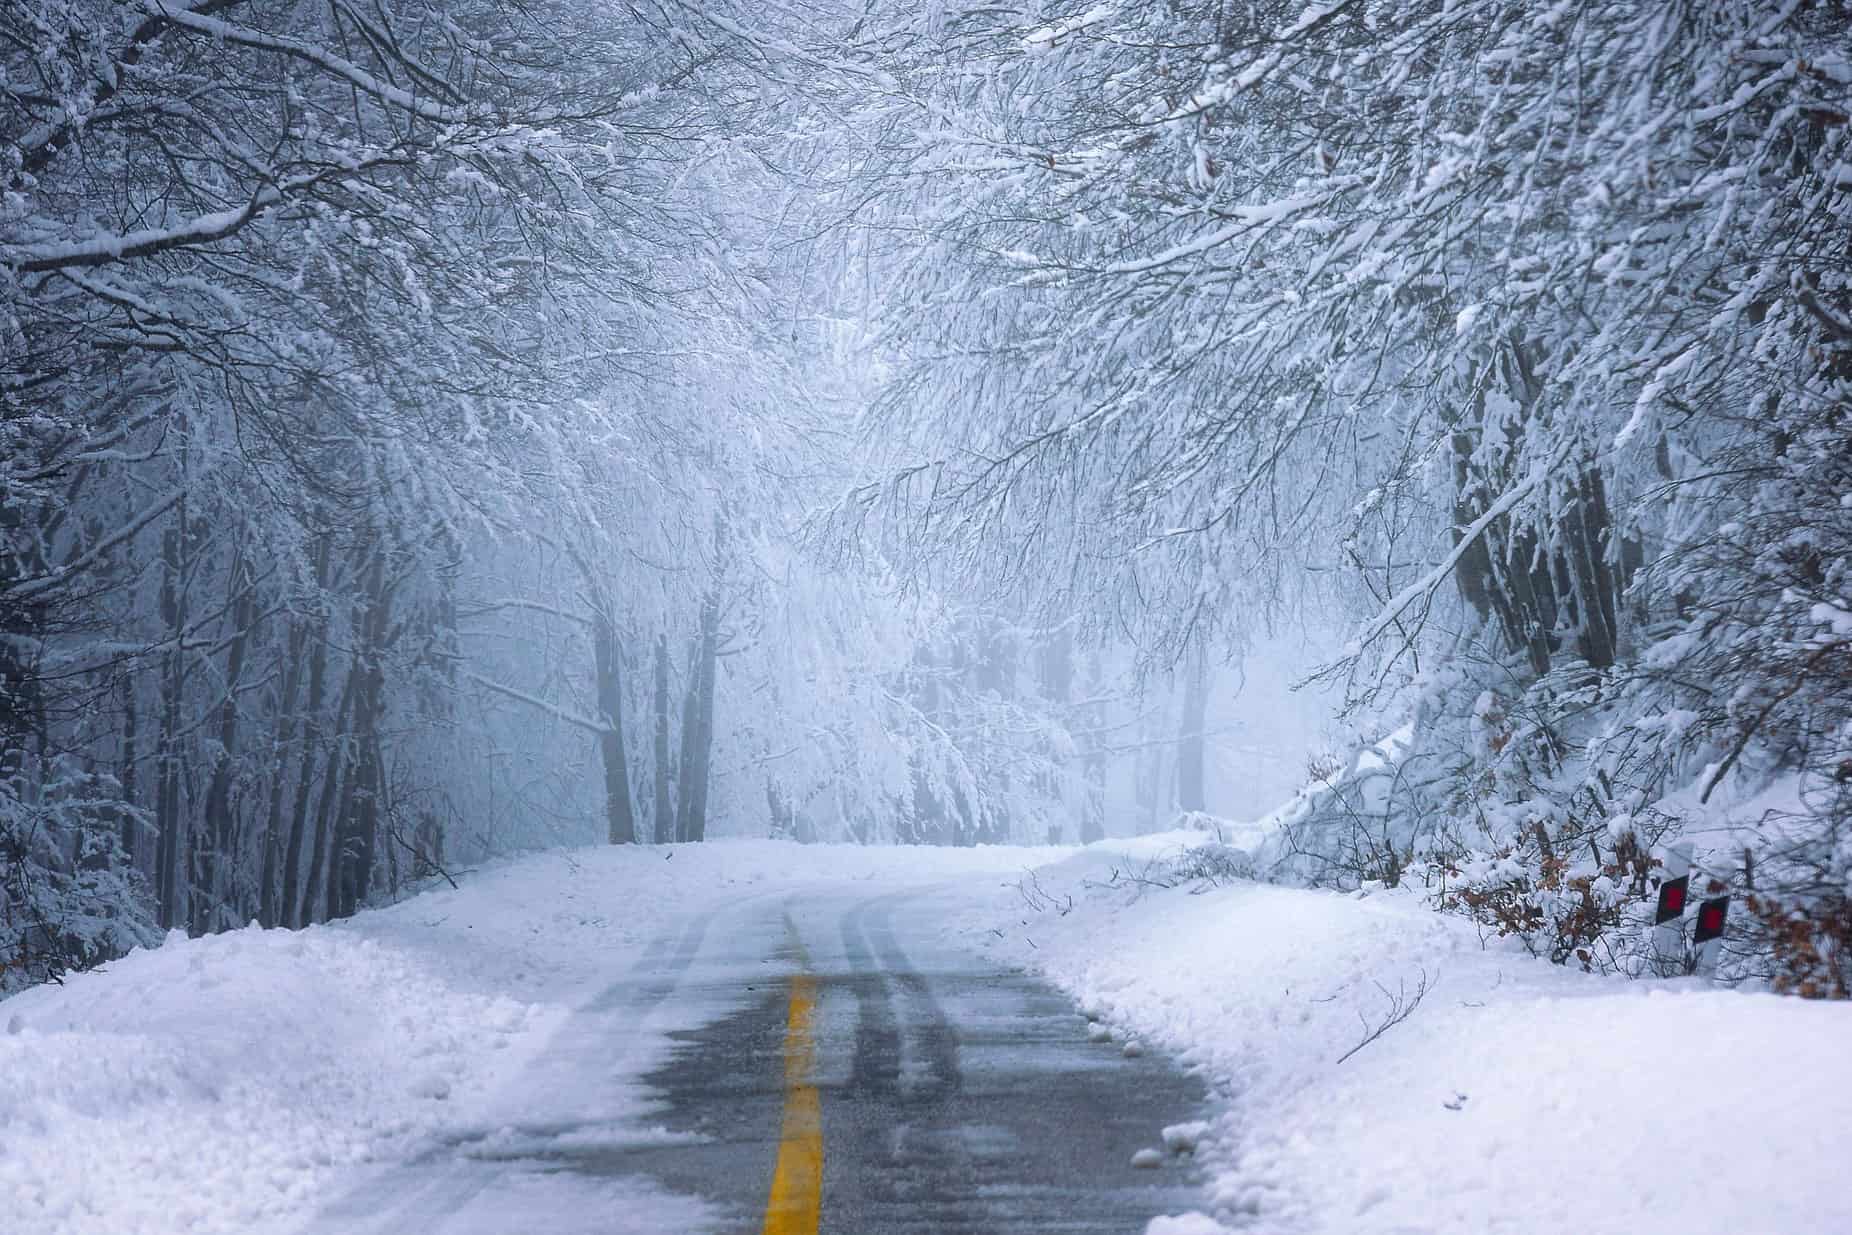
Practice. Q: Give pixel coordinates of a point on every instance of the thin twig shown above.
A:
(1401, 1007)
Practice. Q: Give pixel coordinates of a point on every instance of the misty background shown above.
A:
(432, 431)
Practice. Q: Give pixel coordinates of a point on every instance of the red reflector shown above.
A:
(1710, 919)
(1672, 894)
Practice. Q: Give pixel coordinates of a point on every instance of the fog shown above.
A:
(949, 424)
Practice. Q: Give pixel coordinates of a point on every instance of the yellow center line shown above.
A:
(797, 1181)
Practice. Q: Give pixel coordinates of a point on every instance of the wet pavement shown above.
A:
(954, 1097)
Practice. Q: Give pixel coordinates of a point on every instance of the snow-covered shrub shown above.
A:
(1213, 864)
(67, 899)
(1207, 824)
(1534, 810)
(1760, 674)
(1192, 866)
(1587, 906)
(1810, 946)
(1540, 811)
(1343, 829)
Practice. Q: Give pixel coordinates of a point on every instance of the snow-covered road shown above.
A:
(763, 1037)
(953, 1096)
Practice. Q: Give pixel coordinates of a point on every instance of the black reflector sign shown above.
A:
(1711, 914)
(1672, 894)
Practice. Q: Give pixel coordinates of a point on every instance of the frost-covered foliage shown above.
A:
(409, 415)
(415, 419)
(290, 295)
(997, 759)
(67, 899)
(1523, 333)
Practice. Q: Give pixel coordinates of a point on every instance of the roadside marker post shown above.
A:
(1708, 933)
(1668, 938)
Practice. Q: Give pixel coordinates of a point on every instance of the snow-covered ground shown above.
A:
(1515, 1097)
(236, 1084)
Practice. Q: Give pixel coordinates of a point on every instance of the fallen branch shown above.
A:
(1401, 1006)
(1040, 899)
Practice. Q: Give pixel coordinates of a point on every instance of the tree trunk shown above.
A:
(318, 893)
(168, 871)
(294, 900)
(1093, 810)
(663, 806)
(684, 776)
(357, 836)
(710, 647)
(698, 725)
(620, 819)
(1587, 529)
(216, 887)
(1537, 586)
(272, 897)
(1190, 742)
(22, 629)
(126, 776)
(783, 817)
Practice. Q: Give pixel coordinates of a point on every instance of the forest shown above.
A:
(437, 429)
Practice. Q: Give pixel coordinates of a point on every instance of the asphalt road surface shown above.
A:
(843, 1069)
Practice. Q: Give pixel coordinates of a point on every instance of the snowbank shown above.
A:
(1514, 1097)
(212, 1084)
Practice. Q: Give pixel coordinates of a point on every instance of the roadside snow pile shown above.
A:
(310, 1052)
(224, 1084)
(1479, 1090)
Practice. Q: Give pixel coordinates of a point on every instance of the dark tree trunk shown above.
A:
(318, 894)
(1537, 588)
(168, 821)
(126, 775)
(1587, 533)
(216, 892)
(357, 836)
(22, 630)
(1535, 593)
(620, 818)
(272, 896)
(313, 630)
